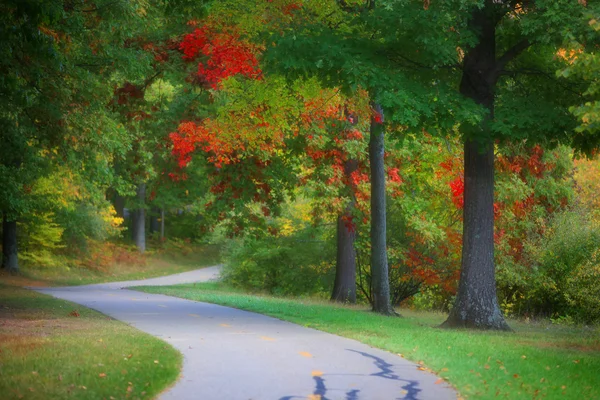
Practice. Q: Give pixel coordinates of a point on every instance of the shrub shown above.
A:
(40, 237)
(563, 257)
(583, 290)
(302, 263)
(85, 221)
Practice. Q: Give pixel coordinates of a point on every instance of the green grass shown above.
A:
(538, 360)
(54, 349)
(152, 266)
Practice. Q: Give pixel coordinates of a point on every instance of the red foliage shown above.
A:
(457, 186)
(222, 54)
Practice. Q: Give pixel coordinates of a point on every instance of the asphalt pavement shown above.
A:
(231, 354)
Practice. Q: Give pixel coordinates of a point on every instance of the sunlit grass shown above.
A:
(54, 349)
(538, 360)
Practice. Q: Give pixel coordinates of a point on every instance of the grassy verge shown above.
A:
(536, 361)
(151, 266)
(54, 349)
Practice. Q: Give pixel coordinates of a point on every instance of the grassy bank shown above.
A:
(538, 360)
(151, 265)
(54, 349)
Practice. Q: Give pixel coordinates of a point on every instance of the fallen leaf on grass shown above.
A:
(515, 376)
(74, 313)
(486, 366)
(60, 377)
(155, 361)
(102, 375)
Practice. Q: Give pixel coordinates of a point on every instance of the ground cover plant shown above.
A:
(538, 360)
(54, 349)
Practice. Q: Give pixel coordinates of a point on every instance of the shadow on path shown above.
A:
(385, 372)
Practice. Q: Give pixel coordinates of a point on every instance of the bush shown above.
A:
(564, 265)
(583, 290)
(84, 222)
(302, 263)
(40, 238)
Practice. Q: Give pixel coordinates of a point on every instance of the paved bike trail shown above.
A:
(231, 354)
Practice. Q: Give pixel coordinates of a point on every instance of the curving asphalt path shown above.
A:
(231, 354)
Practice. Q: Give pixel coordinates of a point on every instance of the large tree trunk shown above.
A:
(10, 261)
(379, 261)
(476, 304)
(138, 220)
(344, 288)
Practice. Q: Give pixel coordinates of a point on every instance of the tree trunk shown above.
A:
(119, 204)
(379, 261)
(10, 261)
(476, 304)
(139, 220)
(162, 224)
(344, 288)
(154, 217)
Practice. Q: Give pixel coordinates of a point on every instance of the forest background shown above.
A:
(134, 128)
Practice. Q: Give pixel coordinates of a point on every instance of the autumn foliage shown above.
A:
(219, 54)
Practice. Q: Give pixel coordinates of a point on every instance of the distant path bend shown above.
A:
(231, 354)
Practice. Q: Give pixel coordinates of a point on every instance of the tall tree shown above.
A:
(487, 65)
(53, 97)
(505, 31)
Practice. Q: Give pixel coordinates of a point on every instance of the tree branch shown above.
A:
(549, 76)
(510, 55)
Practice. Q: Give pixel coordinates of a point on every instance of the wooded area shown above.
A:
(439, 155)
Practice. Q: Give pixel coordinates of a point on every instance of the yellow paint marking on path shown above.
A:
(268, 339)
(225, 325)
(305, 354)
(317, 373)
(314, 397)
(133, 299)
(194, 315)
(162, 305)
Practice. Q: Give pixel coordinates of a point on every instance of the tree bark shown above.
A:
(139, 220)
(344, 288)
(119, 204)
(476, 304)
(379, 261)
(162, 224)
(154, 217)
(10, 260)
